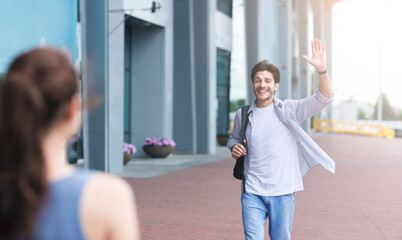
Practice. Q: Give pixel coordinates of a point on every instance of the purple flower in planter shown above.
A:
(165, 141)
(159, 142)
(149, 141)
(172, 143)
(129, 148)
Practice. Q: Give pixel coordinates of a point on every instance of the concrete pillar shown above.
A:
(295, 52)
(322, 12)
(103, 78)
(184, 99)
(115, 88)
(261, 37)
(205, 74)
(251, 22)
(285, 45)
(195, 76)
(304, 75)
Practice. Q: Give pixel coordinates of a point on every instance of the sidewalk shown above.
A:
(151, 167)
(363, 200)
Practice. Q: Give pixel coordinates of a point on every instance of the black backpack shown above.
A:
(238, 170)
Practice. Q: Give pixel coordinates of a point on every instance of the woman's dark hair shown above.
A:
(35, 94)
(264, 65)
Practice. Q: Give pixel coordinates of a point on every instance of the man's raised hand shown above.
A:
(319, 58)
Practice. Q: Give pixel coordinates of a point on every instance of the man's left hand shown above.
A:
(319, 59)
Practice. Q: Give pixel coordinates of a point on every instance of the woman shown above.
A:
(41, 196)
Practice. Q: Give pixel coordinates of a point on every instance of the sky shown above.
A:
(367, 48)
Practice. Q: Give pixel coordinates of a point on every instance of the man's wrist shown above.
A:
(322, 71)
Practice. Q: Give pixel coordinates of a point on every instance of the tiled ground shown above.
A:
(363, 200)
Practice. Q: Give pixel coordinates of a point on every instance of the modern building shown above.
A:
(171, 68)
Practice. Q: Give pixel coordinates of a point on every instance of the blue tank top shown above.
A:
(60, 216)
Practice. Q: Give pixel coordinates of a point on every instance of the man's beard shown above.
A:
(270, 95)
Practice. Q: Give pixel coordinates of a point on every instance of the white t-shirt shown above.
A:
(272, 168)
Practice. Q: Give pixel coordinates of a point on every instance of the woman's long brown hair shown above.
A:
(36, 90)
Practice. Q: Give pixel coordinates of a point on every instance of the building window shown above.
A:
(222, 90)
(127, 85)
(225, 6)
(78, 11)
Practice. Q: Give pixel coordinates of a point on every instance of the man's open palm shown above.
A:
(319, 58)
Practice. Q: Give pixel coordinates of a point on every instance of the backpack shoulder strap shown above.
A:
(244, 122)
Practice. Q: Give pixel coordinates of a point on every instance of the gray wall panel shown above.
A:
(148, 88)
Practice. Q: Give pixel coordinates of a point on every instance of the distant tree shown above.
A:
(236, 104)
(361, 115)
(387, 111)
(398, 115)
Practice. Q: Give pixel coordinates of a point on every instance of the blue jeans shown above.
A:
(278, 209)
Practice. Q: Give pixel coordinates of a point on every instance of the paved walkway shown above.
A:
(151, 167)
(363, 200)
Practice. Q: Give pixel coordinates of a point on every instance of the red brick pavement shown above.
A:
(363, 200)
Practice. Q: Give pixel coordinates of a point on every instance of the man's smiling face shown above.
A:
(264, 86)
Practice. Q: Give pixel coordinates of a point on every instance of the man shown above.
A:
(279, 153)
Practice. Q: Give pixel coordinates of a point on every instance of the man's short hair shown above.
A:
(264, 65)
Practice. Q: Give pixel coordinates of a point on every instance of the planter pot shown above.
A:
(127, 157)
(158, 151)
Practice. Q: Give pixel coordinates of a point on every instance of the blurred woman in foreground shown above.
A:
(41, 196)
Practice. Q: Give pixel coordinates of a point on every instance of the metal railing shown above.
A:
(353, 128)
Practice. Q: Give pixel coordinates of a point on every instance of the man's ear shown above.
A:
(276, 86)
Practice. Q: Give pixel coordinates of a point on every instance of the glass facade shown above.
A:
(18, 34)
(222, 90)
(127, 85)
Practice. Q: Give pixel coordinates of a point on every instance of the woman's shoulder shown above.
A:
(105, 199)
(108, 187)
